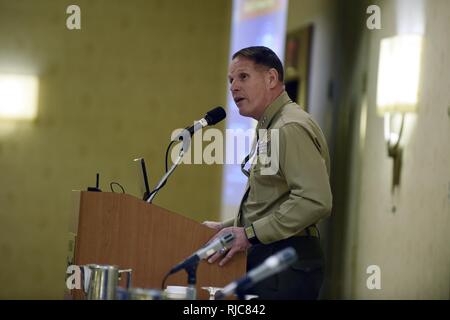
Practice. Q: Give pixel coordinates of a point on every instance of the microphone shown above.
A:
(273, 264)
(211, 118)
(223, 242)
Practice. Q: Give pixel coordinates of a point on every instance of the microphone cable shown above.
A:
(164, 280)
(117, 184)
(166, 168)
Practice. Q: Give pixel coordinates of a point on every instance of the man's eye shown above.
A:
(244, 76)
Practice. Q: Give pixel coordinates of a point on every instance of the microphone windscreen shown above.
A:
(287, 256)
(215, 115)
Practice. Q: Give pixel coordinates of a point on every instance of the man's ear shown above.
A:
(272, 78)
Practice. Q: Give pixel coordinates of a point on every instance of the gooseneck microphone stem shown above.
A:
(166, 176)
(272, 265)
(191, 271)
(212, 117)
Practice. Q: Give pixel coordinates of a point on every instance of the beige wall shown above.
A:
(323, 15)
(108, 93)
(412, 244)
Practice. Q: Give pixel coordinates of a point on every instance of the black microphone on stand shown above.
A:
(190, 264)
(211, 118)
(273, 264)
(224, 242)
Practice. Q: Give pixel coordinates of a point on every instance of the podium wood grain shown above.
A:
(119, 229)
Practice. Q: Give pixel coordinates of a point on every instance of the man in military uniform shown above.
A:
(280, 209)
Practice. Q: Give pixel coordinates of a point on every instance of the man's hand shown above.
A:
(240, 243)
(213, 225)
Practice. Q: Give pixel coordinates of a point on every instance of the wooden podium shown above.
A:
(119, 229)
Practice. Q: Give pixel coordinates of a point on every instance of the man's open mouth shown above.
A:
(238, 99)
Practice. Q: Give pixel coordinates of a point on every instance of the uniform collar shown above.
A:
(272, 110)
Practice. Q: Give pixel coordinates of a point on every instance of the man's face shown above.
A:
(249, 86)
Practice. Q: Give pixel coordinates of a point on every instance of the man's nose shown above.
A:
(234, 87)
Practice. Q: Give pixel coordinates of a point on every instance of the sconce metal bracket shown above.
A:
(395, 152)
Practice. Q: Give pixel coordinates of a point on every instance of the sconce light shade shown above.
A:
(18, 96)
(398, 74)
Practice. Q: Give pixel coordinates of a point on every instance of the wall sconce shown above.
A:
(18, 96)
(397, 92)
